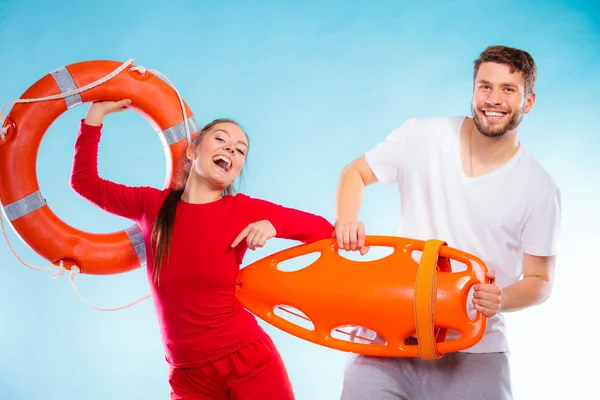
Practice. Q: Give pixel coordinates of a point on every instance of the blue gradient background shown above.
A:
(315, 84)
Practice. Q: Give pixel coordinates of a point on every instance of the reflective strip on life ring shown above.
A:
(23, 203)
(137, 241)
(177, 133)
(24, 206)
(65, 83)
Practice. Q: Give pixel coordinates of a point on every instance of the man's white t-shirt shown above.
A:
(497, 217)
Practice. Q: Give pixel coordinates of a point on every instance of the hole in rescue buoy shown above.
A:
(375, 253)
(298, 263)
(130, 153)
(456, 266)
(452, 335)
(358, 334)
(416, 256)
(470, 307)
(295, 316)
(412, 339)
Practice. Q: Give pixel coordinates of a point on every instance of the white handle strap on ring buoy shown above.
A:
(75, 270)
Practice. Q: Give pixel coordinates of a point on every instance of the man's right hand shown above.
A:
(351, 236)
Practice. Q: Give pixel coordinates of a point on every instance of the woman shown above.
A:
(196, 238)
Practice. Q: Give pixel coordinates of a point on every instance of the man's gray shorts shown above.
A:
(456, 376)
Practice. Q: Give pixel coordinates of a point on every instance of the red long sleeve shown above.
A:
(121, 200)
(289, 223)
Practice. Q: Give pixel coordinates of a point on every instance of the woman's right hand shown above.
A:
(99, 109)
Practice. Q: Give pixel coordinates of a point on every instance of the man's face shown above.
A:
(499, 100)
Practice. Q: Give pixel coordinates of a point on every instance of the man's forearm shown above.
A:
(527, 292)
(349, 195)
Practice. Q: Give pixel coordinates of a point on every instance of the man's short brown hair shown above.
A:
(518, 60)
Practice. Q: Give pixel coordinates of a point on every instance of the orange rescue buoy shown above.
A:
(26, 124)
(395, 296)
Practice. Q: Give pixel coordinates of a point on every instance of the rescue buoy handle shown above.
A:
(425, 299)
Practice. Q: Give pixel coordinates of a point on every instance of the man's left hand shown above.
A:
(487, 297)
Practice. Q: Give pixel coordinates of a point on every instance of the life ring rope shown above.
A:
(61, 95)
(75, 271)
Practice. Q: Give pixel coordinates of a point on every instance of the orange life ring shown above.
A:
(26, 124)
(395, 296)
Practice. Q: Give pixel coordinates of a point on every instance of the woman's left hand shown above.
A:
(256, 234)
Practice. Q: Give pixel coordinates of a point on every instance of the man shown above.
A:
(471, 183)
